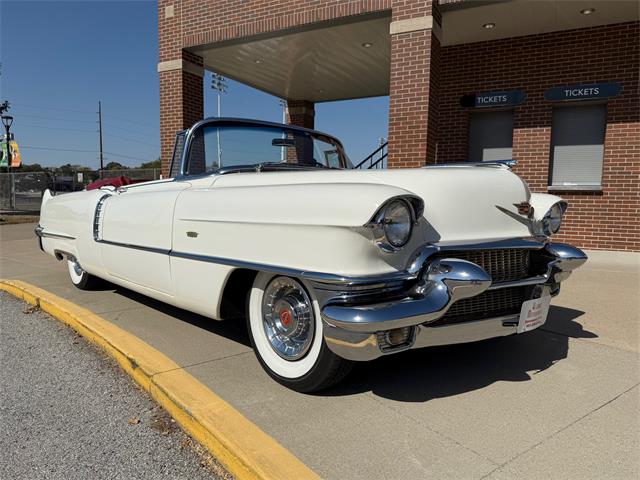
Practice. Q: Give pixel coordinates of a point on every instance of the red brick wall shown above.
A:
(413, 89)
(181, 105)
(301, 113)
(604, 220)
(413, 99)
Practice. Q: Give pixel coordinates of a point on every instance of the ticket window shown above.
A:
(491, 136)
(577, 145)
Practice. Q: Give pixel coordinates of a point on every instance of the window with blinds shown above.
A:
(491, 136)
(577, 145)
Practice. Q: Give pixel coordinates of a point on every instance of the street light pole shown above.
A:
(7, 120)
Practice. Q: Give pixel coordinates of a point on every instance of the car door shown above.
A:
(136, 226)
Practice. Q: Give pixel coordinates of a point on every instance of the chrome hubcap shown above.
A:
(287, 317)
(76, 267)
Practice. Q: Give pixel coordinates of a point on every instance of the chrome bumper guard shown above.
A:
(357, 332)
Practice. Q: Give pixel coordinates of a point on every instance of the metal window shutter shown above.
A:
(577, 144)
(490, 136)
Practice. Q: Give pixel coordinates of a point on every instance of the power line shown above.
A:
(57, 128)
(129, 130)
(130, 140)
(82, 151)
(122, 119)
(126, 120)
(53, 108)
(57, 149)
(57, 119)
(128, 156)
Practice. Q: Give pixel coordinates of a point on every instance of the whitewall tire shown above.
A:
(285, 328)
(80, 278)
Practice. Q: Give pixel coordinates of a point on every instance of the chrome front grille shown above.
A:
(503, 265)
(489, 304)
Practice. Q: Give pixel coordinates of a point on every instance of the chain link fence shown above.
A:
(22, 191)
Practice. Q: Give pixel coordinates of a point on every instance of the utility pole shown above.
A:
(100, 136)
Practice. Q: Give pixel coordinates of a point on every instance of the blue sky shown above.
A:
(60, 58)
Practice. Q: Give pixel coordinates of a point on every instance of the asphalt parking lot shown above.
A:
(67, 411)
(559, 402)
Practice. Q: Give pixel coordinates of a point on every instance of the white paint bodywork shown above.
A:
(307, 220)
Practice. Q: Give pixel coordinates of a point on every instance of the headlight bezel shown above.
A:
(554, 214)
(380, 225)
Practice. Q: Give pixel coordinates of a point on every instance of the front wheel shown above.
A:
(80, 278)
(286, 334)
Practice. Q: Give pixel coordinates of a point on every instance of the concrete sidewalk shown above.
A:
(560, 402)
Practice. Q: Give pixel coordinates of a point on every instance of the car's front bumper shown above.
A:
(360, 332)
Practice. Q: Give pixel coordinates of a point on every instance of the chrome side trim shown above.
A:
(97, 218)
(40, 232)
(324, 280)
(162, 251)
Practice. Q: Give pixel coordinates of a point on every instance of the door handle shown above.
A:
(122, 189)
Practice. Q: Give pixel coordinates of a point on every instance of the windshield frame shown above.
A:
(345, 163)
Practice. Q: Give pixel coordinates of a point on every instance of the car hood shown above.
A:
(462, 204)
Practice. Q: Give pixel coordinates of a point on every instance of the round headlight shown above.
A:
(397, 223)
(553, 219)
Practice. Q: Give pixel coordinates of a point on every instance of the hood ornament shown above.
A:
(524, 215)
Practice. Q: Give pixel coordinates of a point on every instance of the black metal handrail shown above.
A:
(374, 163)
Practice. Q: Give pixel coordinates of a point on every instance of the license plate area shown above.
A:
(533, 314)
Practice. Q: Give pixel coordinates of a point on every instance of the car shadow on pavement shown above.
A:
(429, 373)
(235, 330)
(439, 372)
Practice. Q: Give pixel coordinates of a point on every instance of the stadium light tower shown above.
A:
(219, 84)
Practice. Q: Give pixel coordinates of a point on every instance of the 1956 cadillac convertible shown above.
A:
(327, 263)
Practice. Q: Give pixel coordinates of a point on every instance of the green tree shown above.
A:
(153, 164)
(114, 166)
(34, 167)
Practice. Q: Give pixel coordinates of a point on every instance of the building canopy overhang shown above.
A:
(351, 58)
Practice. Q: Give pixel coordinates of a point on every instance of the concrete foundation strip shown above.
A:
(245, 450)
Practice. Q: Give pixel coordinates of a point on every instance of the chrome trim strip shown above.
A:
(162, 251)
(40, 232)
(522, 282)
(97, 217)
(320, 277)
(332, 281)
(501, 244)
(509, 163)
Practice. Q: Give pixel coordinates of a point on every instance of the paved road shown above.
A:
(67, 411)
(559, 402)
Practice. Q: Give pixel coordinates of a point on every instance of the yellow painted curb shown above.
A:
(245, 450)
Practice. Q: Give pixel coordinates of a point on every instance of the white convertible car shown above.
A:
(328, 264)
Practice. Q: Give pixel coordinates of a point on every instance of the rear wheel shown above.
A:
(80, 278)
(286, 334)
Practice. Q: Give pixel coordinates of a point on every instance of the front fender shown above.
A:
(542, 202)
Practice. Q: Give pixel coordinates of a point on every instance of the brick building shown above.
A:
(552, 84)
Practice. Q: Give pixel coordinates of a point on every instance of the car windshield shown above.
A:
(214, 147)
